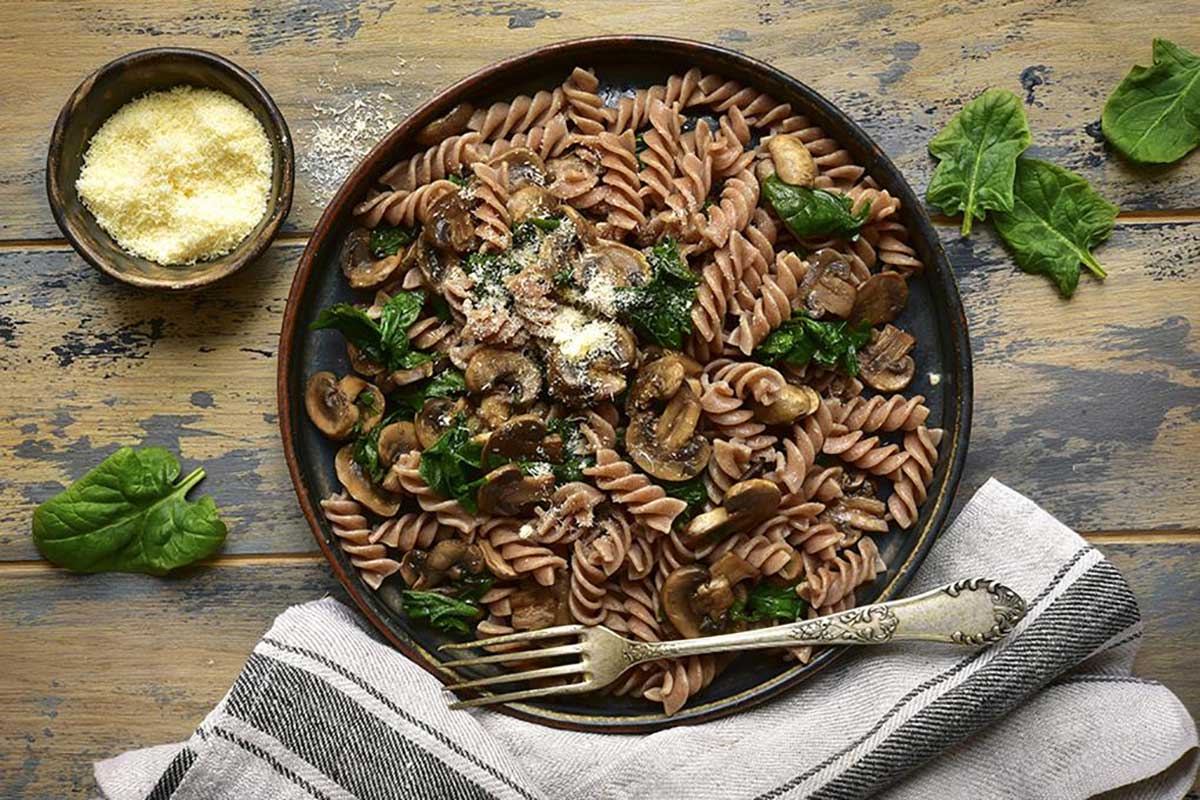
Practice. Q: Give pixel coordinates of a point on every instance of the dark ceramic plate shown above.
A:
(934, 315)
(114, 85)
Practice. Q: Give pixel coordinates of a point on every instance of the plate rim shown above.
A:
(942, 282)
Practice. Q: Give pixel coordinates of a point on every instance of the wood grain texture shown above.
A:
(177, 644)
(339, 70)
(1092, 407)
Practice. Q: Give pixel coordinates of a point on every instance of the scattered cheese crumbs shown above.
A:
(578, 336)
(525, 531)
(178, 176)
(935, 378)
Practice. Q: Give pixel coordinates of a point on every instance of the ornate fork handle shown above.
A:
(970, 612)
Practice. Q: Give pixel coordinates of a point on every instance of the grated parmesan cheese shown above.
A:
(178, 176)
(578, 336)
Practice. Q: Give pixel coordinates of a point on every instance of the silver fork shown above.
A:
(971, 612)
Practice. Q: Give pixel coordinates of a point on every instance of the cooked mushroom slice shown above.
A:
(436, 416)
(523, 438)
(450, 225)
(696, 599)
(507, 381)
(359, 485)
(793, 163)
(394, 441)
(746, 504)
(448, 559)
(403, 377)
(329, 407)
(452, 123)
(669, 447)
(368, 398)
(525, 167)
(660, 380)
(433, 262)
(508, 492)
(535, 607)
(361, 268)
(880, 299)
(584, 230)
(792, 403)
(531, 201)
(884, 364)
(664, 224)
(826, 287)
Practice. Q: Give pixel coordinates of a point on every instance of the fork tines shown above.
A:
(574, 668)
(525, 636)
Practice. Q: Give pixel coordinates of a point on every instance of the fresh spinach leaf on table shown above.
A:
(1056, 220)
(814, 212)
(801, 339)
(1153, 116)
(978, 152)
(661, 310)
(129, 515)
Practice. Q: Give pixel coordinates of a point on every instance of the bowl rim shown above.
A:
(940, 274)
(254, 245)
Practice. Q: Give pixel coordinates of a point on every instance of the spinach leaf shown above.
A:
(978, 152)
(691, 492)
(407, 400)
(366, 453)
(576, 453)
(453, 466)
(1153, 116)
(525, 232)
(1057, 219)
(769, 602)
(387, 240)
(661, 310)
(441, 611)
(384, 342)
(129, 515)
(801, 339)
(814, 212)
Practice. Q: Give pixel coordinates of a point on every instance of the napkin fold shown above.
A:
(323, 709)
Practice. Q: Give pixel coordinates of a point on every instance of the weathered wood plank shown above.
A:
(343, 73)
(1092, 407)
(94, 665)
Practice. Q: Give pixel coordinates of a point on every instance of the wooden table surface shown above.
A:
(1091, 407)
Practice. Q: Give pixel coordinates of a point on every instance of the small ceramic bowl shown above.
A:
(111, 87)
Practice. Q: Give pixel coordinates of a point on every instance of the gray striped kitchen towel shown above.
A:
(324, 710)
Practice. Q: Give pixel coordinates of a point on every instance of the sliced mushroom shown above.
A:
(696, 599)
(360, 487)
(436, 416)
(523, 438)
(508, 492)
(403, 377)
(450, 225)
(880, 299)
(792, 403)
(529, 202)
(452, 123)
(746, 504)
(360, 266)
(507, 380)
(433, 262)
(660, 380)
(525, 167)
(826, 287)
(535, 607)
(793, 163)
(885, 364)
(448, 559)
(580, 166)
(665, 224)
(670, 447)
(339, 407)
(575, 222)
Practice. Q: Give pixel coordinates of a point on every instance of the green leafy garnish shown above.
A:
(691, 492)
(1153, 116)
(525, 232)
(441, 611)
(1057, 219)
(453, 466)
(576, 454)
(407, 400)
(387, 240)
(472, 586)
(661, 310)
(129, 514)
(833, 345)
(383, 342)
(769, 602)
(978, 152)
(814, 212)
(365, 452)
(456, 179)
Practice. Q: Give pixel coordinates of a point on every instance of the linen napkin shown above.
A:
(325, 710)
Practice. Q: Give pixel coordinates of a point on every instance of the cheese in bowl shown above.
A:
(178, 176)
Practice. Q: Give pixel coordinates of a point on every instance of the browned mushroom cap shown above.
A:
(535, 607)
(360, 487)
(696, 599)
(826, 287)
(361, 268)
(584, 230)
(523, 438)
(436, 416)
(664, 224)
(792, 403)
(884, 364)
(329, 407)
(395, 440)
(367, 397)
(450, 225)
(508, 492)
(361, 364)
(448, 559)
(506, 374)
(531, 201)
(880, 299)
(746, 504)
(793, 163)
(669, 447)
(434, 263)
(452, 123)
(525, 167)
(615, 264)
(403, 377)
(660, 380)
